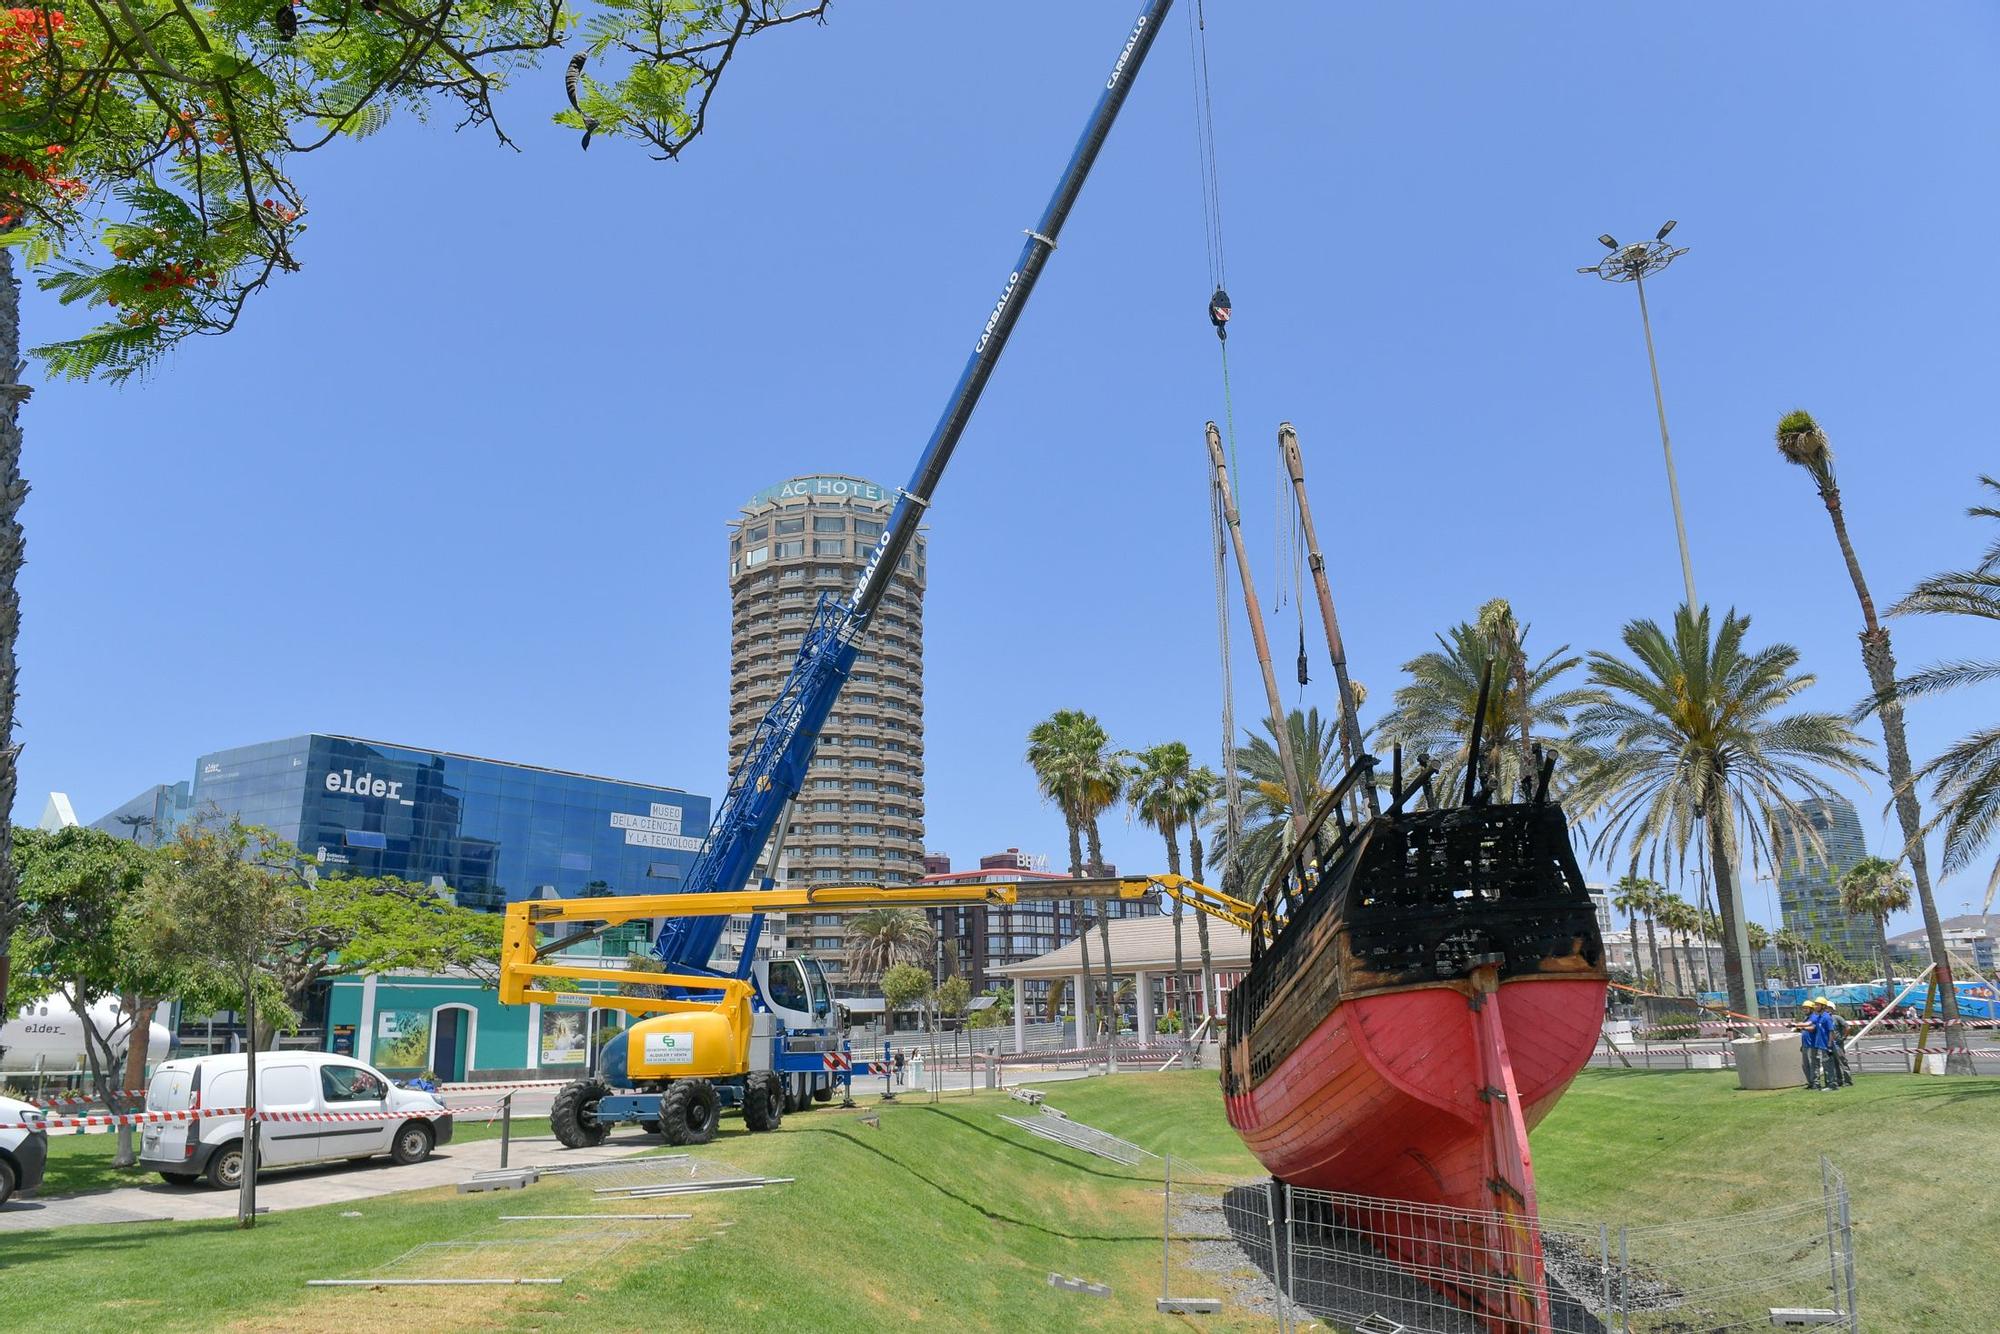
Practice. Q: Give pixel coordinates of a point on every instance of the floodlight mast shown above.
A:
(1631, 264)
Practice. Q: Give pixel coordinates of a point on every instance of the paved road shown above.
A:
(301, 1188)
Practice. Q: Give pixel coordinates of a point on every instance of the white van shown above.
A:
(24, 1147)
(303, 1084)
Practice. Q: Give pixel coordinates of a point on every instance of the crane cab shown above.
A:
(794, 991)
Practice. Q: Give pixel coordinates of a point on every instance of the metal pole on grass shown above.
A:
(1604, 1256)
(1271, 1229)
(1847, 1257)
(1624, 1281)
(1167, 1231)
(506, 1124)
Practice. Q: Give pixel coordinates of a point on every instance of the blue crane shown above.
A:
(773, 767)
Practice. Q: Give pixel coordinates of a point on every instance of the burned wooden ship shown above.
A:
(1424, 985)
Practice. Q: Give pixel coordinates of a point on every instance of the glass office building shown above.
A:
(489, 831)
(1809, 879)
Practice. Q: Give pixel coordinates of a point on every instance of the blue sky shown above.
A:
(463, 481)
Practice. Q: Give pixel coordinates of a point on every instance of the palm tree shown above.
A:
(1760, 940)
(1801, 441)
(1432, 715)
(1680, 918)
(1203, 787)
(1634, 897)
(12, 492)
(1071, 755)
(1791, 947)
(1873, 888)
(881, 938)
(1690, 735)
(1268, 827)
(1157, 793)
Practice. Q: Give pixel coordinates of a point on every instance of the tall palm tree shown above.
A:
(1802, 442)
(1076, 768)
(1634, 897)
(1791, 947)
(1872, 887)
(1156, 793)
(1204, 787)
(1760, 940)
(1526, 705)
(1680, 918)
(13, 491)
(881, 938)
(1268, 828)
(1690, 735)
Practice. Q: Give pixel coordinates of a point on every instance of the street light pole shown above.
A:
(1631, 264)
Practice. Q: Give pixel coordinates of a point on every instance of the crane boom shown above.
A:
(773, 767)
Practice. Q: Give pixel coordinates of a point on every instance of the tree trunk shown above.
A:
(1638, 973)
(1084, 1005)
(1880, 660)
(1103, 929)
(1201, 926)
(139, 1013)
(246, 1198)
(12, 552)
(1735, 934)
(1653, 947)
(1882, 940)
(1180, 966)
(1086, 999)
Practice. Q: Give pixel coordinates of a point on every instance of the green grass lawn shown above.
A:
(946, 1214)
(80, 1163)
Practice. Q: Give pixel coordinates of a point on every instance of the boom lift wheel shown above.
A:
(573, 1114)
(763, 1100)
(688, 1111)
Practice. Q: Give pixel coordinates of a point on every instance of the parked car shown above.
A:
(311, 1089)
(24, 1148)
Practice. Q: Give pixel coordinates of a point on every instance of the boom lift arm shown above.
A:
(522, 950)
(774, 764)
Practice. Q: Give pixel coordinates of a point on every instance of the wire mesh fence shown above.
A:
(1363, 1263)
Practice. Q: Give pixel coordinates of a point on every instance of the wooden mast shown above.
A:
(1281, 724)
(1350, 719)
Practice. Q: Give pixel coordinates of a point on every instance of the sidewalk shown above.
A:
(301, 1188)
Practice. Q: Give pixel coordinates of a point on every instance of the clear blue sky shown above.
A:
(463, 481)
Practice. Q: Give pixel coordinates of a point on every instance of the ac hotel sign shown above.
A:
(834, 488)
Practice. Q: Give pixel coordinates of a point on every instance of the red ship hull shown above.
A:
(1407, 1105)
(1383, 1097)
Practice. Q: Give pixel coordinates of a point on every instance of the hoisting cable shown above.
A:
(1218, 317)
(1211, 211)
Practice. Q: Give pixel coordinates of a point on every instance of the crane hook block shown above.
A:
(1218, 313)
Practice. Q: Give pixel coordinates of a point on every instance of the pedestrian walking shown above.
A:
(1812, 1043)
(1833, 1027)
(899, 1067)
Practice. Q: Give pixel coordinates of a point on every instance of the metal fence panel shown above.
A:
(1373, 1264)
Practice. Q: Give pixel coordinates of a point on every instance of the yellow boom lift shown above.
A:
(757, 1042)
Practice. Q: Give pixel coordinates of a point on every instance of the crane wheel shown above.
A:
(688, 1112)
(763, 1100)
(573, 1114)
(823, 1093)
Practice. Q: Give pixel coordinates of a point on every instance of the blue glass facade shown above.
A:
(1809, 882)
(491, 832)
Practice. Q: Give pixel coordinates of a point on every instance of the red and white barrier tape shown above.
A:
(111, 1121)
(502, 1088)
